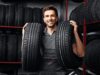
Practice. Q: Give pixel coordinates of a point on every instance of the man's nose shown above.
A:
(49, 17)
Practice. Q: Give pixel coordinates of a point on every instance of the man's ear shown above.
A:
(57, 19)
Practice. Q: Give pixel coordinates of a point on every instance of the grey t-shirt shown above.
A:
(50, 62)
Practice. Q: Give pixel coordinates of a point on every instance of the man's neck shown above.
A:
(50, 31)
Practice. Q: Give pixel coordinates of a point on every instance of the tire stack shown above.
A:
(11, 39)
(91, 13)
(80, 13)
(9, 50)
(92, 48)
(92, 58)
(18, 15)
(87, 12)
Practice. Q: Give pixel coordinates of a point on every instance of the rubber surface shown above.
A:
(31, 47)
(64, 39)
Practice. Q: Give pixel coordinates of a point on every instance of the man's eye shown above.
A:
(46, 16)
(52, 15)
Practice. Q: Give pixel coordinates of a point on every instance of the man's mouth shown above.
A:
(50, 22)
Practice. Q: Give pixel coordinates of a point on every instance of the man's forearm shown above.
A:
(79, 45)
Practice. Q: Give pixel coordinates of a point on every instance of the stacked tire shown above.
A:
(18, 15)
(91, 13)
(2, 46)
(92, 58)
(10, 15)
(93, 7)
(9, 51)
(88, 10)
(2, 14)
(10, 47)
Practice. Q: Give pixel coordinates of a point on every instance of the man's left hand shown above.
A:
(74, 24)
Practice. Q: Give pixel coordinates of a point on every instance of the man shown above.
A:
(49, 62)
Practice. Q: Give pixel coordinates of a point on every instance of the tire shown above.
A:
(92, 36)
(66, 57)
(95, 10)
(9, 52)
(78, 1)
(77, 15)
(31, 47)
(91, 9)
(16, 1)
(19, 46)
(28, 15)
(19, 15)
(92, 57)
(10, 15)
(12, 47)
(2, 46)
(2, 14)
(37, 15)
(10, 1)
(8, 68)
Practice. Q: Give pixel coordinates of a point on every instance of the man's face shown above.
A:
(50, 18)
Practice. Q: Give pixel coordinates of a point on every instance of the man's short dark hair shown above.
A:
(50, 7)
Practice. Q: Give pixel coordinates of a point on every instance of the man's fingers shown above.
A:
(24, 28)
(25, 25)
(73, 22)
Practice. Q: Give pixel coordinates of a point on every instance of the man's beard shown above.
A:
(53, 26)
